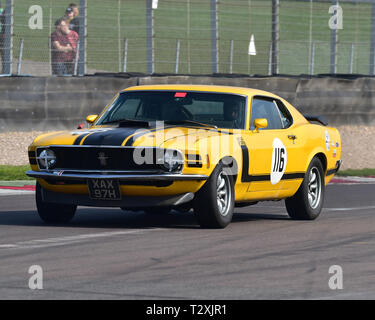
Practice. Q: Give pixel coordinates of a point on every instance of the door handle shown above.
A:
(292, 137)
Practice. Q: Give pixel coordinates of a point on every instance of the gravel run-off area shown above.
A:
(358, 149)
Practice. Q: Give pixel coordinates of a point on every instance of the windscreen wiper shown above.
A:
(126, 122)
(190, 122)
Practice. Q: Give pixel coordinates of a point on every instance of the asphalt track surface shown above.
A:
(111, 254)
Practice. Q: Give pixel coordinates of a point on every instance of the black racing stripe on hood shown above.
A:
(112, 137)
(78, 140)
(135, 137)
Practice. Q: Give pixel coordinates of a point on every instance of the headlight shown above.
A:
(46, 159)
(172, 161)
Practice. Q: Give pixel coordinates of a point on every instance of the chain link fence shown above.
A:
(197, 36)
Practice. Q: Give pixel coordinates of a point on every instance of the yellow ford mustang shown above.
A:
(209, 148)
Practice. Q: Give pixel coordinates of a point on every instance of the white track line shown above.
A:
(324, 209)
(349, 209)
(60, 241)
(11, 192)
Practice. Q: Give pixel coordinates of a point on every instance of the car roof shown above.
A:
(204, 88)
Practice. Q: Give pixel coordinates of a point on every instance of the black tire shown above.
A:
(53, 212)
(206, 201)
(303, 205)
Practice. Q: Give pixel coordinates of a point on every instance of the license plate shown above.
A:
(104, 189)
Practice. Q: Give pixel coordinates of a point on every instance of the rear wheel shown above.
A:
(214, 202)
(307, 203)
(53, 212)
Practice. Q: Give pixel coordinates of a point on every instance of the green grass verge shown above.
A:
(9, 173)
(357, 172)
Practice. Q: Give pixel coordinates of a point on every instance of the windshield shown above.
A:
(216, 109)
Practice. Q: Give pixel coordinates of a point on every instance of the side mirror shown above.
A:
(260, 124)
(91, 118)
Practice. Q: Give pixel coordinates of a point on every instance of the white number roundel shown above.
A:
(279, 158)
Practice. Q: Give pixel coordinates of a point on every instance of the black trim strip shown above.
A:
(267, 177)
(194, 164)
(32, 160)
(245, 177)
(331, 172)
(294, 175)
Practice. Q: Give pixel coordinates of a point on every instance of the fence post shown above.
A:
(119, 34)
(188, 35)
(20, 57)
(270, 60)
(312, 58)
(310, 33)
(275, 36)
(82, 37)
(125, 55)
(49, 38)
(8, 43)
(372, 39)
(231, 57)
(76, 61)
(351, 58)
(334, 41)
(214, 37)
(150, 36)
(177, 56)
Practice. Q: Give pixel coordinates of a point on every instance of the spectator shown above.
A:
(2, 37)
(69, 14)
(74, 22)
(63, 48)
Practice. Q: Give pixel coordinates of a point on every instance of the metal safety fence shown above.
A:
(263, 37)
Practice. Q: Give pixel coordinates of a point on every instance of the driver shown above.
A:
(232, 113)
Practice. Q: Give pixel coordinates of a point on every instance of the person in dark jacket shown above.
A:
(72, 13)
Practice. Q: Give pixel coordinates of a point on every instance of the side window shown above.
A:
(286, 117)
(266, 108)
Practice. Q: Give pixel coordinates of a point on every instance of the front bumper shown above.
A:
(116, 175)
(126, 201)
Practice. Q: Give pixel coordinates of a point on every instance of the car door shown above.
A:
(267, 150)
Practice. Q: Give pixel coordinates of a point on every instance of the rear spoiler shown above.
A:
(320, 119)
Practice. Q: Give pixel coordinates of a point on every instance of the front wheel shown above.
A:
(214, 202)
(53, 212)
(307, 203)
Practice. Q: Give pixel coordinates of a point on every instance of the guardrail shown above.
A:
(45, 103)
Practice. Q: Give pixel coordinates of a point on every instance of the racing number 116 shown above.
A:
(279, 160)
